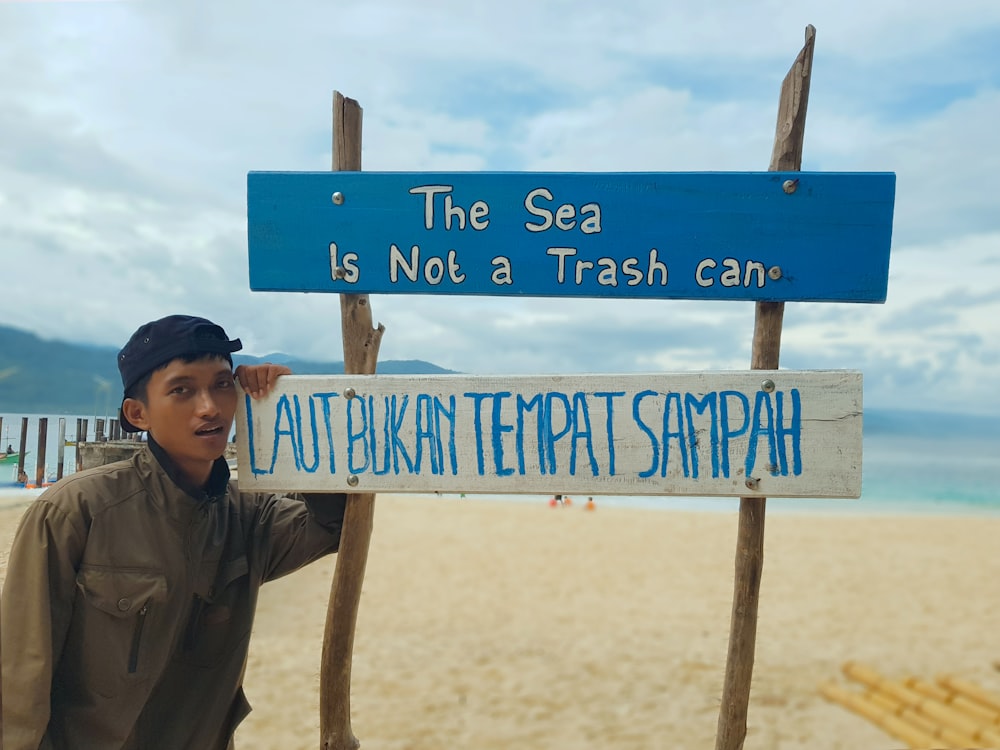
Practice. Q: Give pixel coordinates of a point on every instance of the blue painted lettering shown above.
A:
(694, 406)
(359, 436)
(609, 423)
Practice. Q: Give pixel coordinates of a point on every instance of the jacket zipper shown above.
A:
(133, 659)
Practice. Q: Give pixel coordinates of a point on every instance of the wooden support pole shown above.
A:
(22, 449)
(80, 440)
(785, 156)
(361, 345)
(43, 437)
(61, 448)
(81, 436)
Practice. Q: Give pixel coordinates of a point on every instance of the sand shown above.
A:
(510, 624)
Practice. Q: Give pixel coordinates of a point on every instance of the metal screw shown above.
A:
(352, 480)
(752, 483)
(339, 272)
(789, 186)
(349, 393)
(338, 198)
(767, 386)
(774, 273)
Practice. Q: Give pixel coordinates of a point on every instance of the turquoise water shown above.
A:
(913, 463)
(11, 436)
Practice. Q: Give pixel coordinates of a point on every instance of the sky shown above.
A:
(128, 128)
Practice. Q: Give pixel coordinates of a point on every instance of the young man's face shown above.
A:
(189, 411)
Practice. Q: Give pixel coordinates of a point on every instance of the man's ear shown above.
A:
(135, 412)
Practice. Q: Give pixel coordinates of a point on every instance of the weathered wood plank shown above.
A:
(773, 433)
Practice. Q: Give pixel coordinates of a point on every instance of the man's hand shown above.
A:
(258, 380)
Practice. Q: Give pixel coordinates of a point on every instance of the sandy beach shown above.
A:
(511, 624)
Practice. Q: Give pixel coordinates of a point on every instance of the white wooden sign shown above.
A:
(746, 433)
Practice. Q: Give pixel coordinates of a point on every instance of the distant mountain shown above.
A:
(57, 377)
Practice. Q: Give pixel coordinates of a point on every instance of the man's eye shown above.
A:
(179, 390)
(226, 383)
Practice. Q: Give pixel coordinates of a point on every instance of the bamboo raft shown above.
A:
(947, 713)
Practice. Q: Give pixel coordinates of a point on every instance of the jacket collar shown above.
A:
(218, 480)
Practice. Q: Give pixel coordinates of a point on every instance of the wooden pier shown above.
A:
(106, 444)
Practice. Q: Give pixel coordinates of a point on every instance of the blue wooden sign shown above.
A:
(795, 236)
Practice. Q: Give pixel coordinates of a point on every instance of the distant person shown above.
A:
(10, 449)
(22, 476)
(131, 588)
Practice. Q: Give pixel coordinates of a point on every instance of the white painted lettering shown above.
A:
(752, 267)
(542, 213)
(608, 276)
(434, 266)
(343, 269)
(590, 218)
(565, 217)
(699, 274)
(654, 266)
(581, 266)
(429, 191)
(731, 276)
(630, 270)
(502, 273)
(433, 271)
(453, 211)
(562, 253)
(454, 270)
(397, 259)
(479, 215)
(735, 273)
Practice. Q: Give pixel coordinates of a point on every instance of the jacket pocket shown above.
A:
(111, 638)
(219, 623)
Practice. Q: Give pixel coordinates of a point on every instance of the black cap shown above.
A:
(155, 344)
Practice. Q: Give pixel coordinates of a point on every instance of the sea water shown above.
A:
(10, 436)
(939, 464)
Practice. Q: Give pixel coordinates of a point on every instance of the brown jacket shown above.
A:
(129, 601)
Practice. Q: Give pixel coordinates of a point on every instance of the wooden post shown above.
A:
(22, 448)
(61, 448)
(361, 345)
(43, 436)
(786, 156)
(81, 438)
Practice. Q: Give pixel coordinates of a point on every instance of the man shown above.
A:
(131, 588)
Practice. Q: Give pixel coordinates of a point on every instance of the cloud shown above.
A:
(129, 128)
